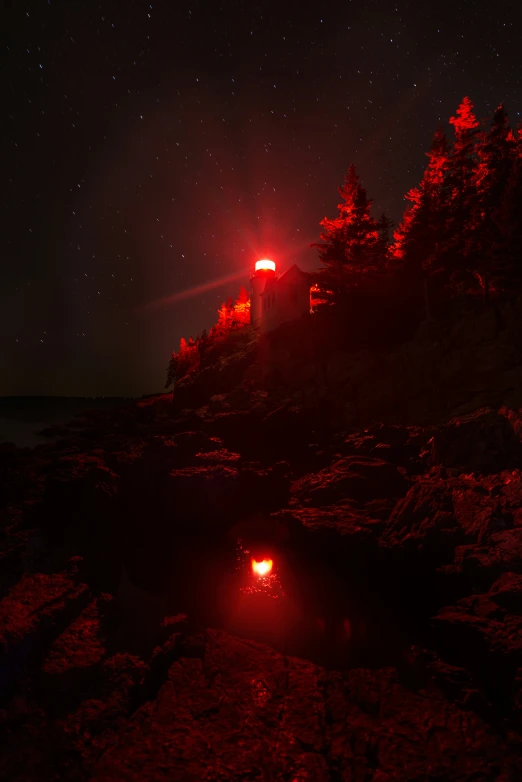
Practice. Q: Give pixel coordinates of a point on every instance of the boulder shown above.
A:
(479, 634)
(240, 430)
(218, 403)
(287, 428)
(236, 709)
(482, 442)
(478, 511)
(191, 443)
(356, 478)
(424, 520)
(403, 446)
(333, 525)
(205, 495)
(507, 592)
(33, 612)
(483, 565)
(265, 488)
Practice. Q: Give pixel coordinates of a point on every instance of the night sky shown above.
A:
(156, 148)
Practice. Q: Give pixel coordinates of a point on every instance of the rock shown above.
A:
(72, 663)
(508, 488)
(238, 709)
(424, 520)
(482, 442)
(33, 612)
(186, 449)
(479, 634)
(385, 526)
(358, 478)
(477, 511)
(477, 621)
(399, 445)
(206, 494)
(338, 524)
(219, 456)
(287, 427)
(482, 565)
(454, 680)
(80, 645)
(76, 514)
(265, 489)
(515, 418)
(481, 328)
(240, 430)
(186, 420)
(218, 403)
(507, 592)
(78, 484)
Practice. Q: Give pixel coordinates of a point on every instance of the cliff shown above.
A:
(382, 474)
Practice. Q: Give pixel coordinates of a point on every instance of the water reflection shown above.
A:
(300, 605)
(276, 609)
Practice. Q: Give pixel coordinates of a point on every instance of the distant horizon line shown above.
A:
(74, 396)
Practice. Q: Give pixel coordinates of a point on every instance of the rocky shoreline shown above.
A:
(399, 541)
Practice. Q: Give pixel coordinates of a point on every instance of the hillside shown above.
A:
(381, 472)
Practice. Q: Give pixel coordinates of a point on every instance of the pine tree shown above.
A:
(225, 316)
(506, 249)
(172, 370)
(203, 344)
(241, 315)
(385, 227)
(419, 237)
(461, 185)
(348, 249)
(462, 162)
(494, 151)
(486, 247)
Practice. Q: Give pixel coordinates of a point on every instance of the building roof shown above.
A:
(291, 276)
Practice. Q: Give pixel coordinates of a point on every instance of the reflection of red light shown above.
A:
(262, 568)
(265, 265)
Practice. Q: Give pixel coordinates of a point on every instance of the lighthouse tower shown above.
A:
(264, 271)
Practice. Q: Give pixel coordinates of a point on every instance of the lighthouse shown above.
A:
(263, 272)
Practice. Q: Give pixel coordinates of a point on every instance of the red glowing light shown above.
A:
(265, 264)
(262, 568)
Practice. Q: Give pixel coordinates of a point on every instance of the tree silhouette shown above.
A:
(241, 313)
(508, 252)
(349, 249)
(192, 353)
(420, 235)
(496, 152)
(385, 227)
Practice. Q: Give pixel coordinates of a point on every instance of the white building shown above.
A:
(278, 299)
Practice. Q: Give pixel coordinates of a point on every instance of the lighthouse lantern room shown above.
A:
(264, 271)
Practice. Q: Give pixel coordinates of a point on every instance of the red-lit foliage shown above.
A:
(423, 223)
(241, 315)
(461, 231)
(352, 244)
(493, 233)
(462, 159)
(461, 234)
(230, 317)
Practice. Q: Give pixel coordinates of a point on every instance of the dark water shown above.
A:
(22, 417)
(303, 607)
